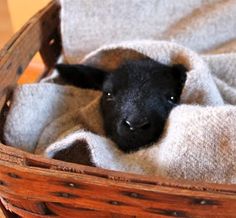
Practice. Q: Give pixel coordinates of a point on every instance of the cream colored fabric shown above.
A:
(34, 107)
(202, 25)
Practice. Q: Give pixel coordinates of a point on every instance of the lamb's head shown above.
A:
(137, 98)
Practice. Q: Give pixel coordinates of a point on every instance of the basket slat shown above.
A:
(32, 37)
(13, 156)
(70, 211)
(31, 206)
(6, 212)
(105, 195)
(33, 186)
(24, 213)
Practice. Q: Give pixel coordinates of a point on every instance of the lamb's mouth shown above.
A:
(129, 145)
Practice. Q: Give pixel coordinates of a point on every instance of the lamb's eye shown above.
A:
(172, 99)
(109, 96)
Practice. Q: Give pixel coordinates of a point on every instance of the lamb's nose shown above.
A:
(139, 124)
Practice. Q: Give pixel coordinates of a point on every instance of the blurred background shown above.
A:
(13, 15)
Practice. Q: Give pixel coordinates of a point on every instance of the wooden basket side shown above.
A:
(32, 186)
(40, 33)
(29, 181)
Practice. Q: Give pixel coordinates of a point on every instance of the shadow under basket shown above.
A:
(33, 186)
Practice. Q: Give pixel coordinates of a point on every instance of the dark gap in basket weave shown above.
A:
(4, 112)
(143, 182)
(13, 175)
(169, 213)
(7, 212)
(201, 201)
(42, 209)
(65, 195)
(2, 183)
(45, 209)
(73, 185)
(68, 206)
(19, 70)
(133, 195)
(105, 176)
(117, 203)
(38, 164)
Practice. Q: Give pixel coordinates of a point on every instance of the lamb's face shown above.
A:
(137, 98)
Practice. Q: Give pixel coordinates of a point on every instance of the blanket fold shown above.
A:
(199, 140)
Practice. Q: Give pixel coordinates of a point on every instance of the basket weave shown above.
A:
(32, 186)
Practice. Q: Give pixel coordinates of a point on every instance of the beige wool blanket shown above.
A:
(199, 139)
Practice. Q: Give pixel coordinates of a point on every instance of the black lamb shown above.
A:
(137, 98)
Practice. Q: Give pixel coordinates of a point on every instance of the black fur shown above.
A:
(137, 98)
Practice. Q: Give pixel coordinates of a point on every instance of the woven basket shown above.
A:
(32, 186)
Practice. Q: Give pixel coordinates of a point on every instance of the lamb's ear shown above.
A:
(179, 72)
(82, 76)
